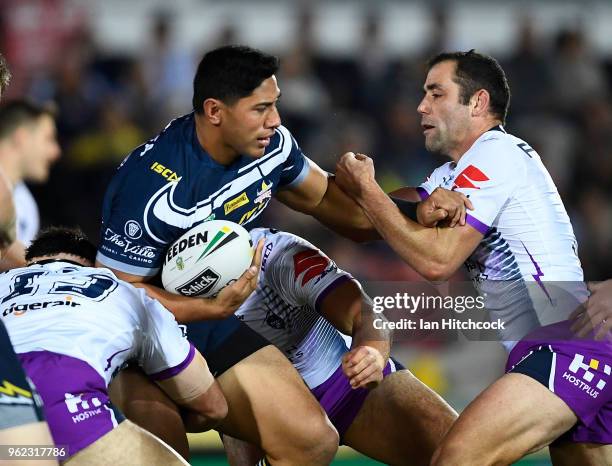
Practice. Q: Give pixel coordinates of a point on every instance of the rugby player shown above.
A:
(28, 147)
(226, 160)
(21, 418)
(304, 304)
(518, 238)
(74, 326)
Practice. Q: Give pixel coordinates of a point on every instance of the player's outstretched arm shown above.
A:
(189, 309)
(349, 310)
(319, 196)
(436, 253)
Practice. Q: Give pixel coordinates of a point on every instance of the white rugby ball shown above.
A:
(207, 258)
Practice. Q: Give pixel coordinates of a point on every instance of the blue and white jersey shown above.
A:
(528, 236)
(89, 314)
(284, 308)
(170, 184)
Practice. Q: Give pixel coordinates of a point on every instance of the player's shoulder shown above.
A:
(500, 141)
(500, 151)
(163, 147)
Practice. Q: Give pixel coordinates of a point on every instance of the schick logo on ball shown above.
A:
(201, 284)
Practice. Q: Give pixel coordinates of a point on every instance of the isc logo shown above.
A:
(165, 172)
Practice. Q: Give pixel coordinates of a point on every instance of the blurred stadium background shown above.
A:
(351, 79)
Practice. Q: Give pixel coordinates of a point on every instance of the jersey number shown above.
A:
(95, 286)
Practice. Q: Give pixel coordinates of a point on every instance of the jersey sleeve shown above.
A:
(127, 243)
(432, 182)
(165, 351)
(301, 273)
(489, 181)
(296, 166)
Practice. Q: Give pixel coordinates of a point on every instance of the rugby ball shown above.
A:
(207, 258)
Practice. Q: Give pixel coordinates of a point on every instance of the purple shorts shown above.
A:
(340, 401)
(75, 398)
(578, 372)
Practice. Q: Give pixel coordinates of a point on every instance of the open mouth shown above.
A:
(427, 127)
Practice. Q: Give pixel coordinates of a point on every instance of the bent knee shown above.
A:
(314, 442)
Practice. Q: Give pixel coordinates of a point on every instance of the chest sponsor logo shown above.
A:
(468, 177)
(127, 247)
(20, 309)
(235, 203)
(166, 172)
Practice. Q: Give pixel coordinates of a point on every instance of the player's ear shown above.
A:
(212, 111)
(480, 102)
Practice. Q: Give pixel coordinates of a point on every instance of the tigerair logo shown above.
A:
(11, 394)
(20, 309)
(235, 203)
(221, 238)
(584, 378)
(165, 172)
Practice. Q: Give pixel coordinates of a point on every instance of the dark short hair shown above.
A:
(475, 71)
(5, 74)
(16, 113)
(230, 73)
(57, 240)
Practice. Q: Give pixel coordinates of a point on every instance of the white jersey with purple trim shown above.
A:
(295, 277)
(528, 236)
(89, 314)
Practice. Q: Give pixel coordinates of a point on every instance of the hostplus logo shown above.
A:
(82, 409)
(584, 377)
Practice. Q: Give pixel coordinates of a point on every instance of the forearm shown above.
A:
(364, 333)
(424, 249)
(343, 215)
(185, 309)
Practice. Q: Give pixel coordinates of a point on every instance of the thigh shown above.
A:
(269, 404)
(402, 421)
(127, 445)
(145, 404)
(515, 416)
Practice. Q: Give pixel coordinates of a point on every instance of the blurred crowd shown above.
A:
(110, 103)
